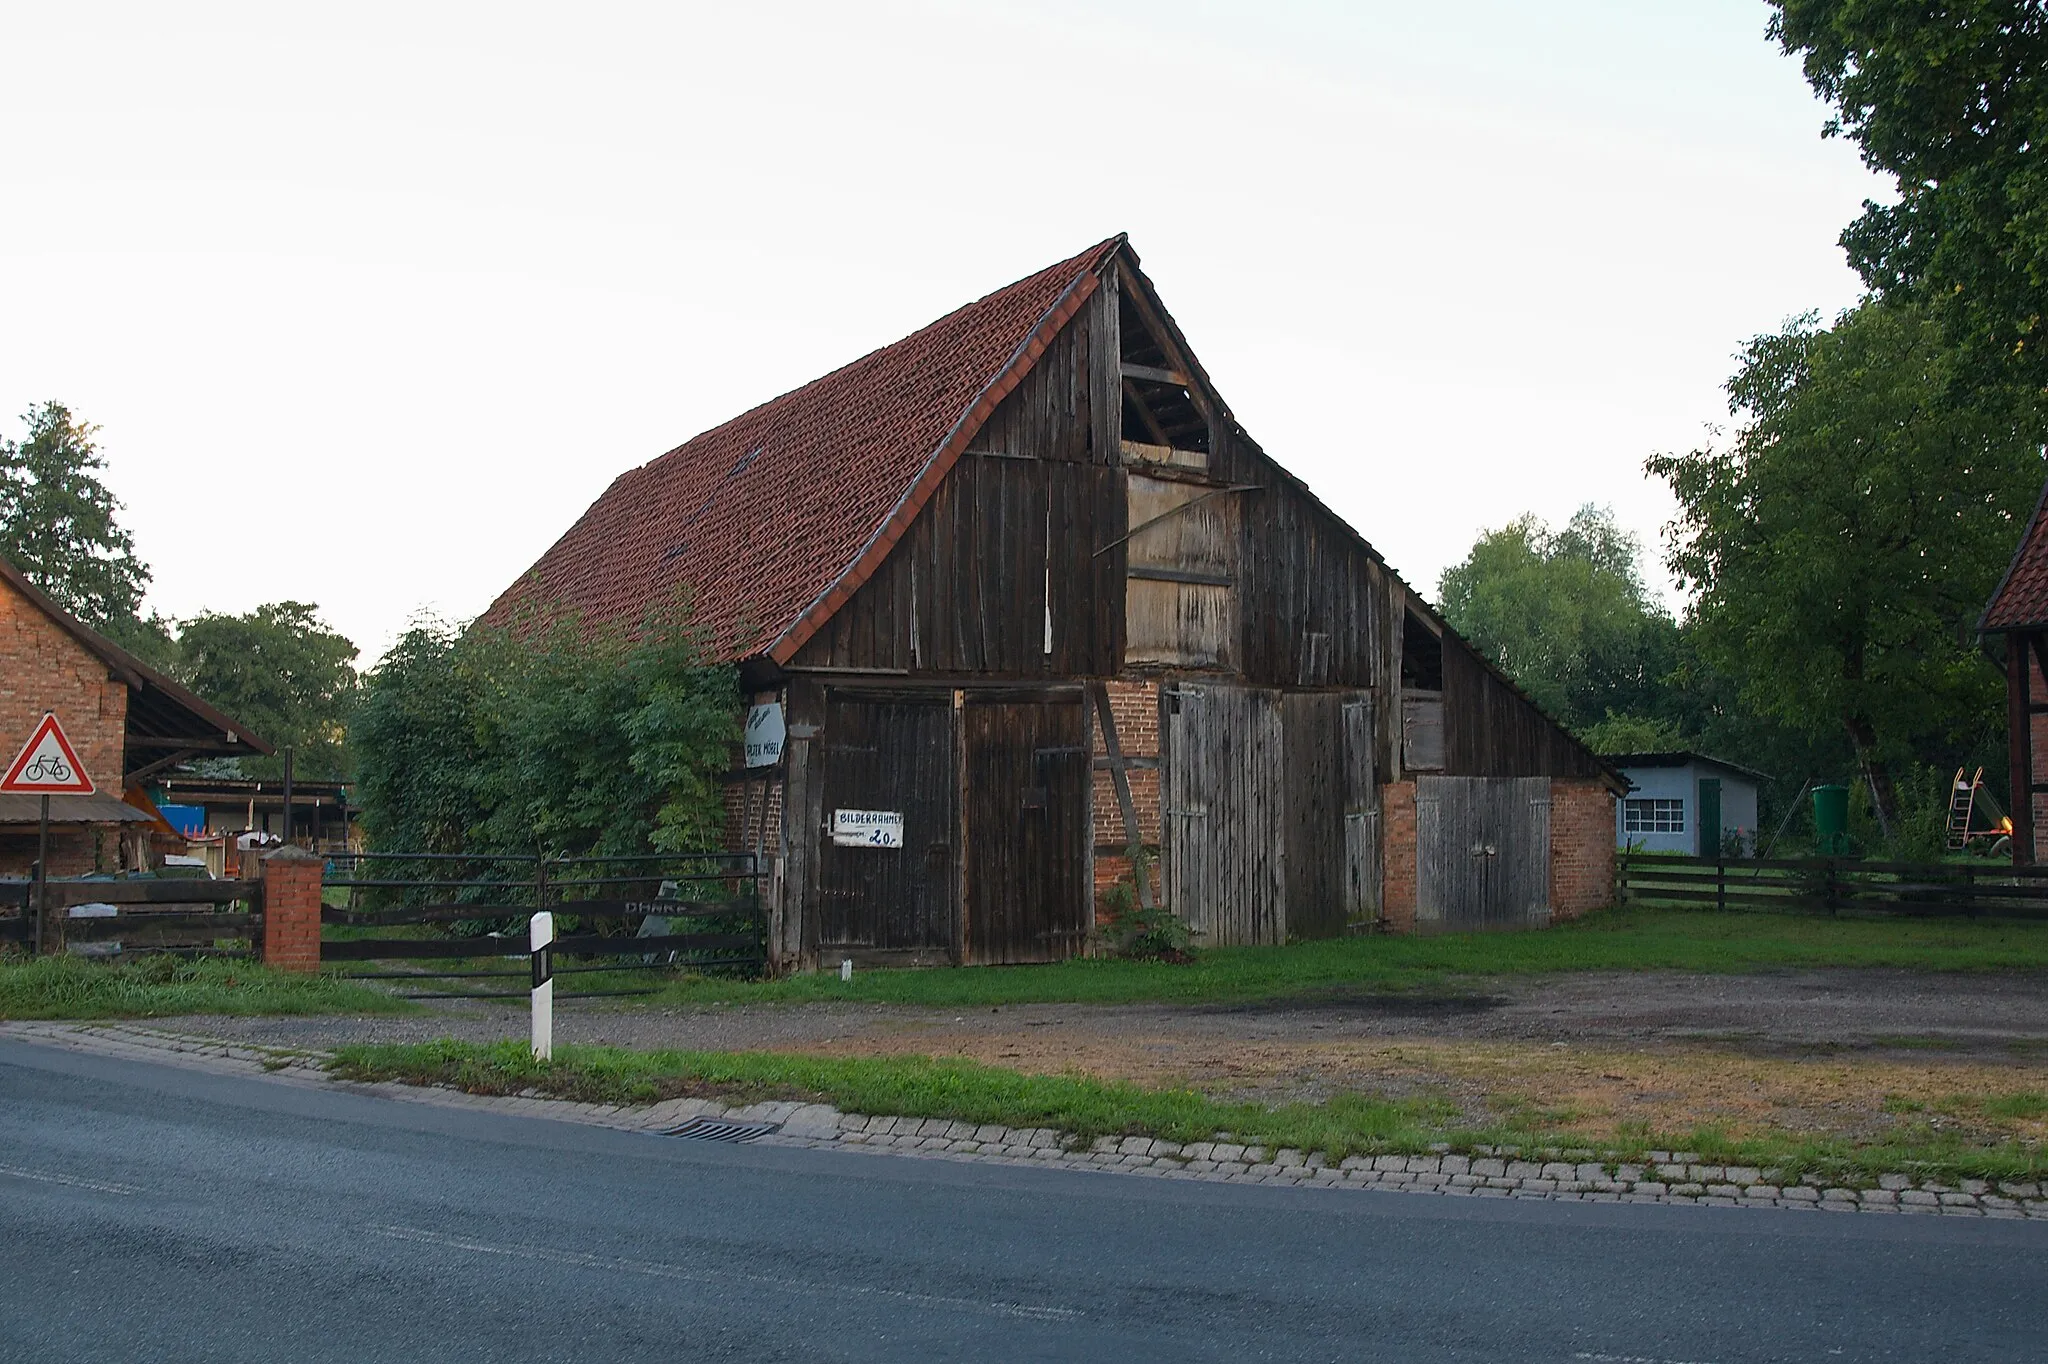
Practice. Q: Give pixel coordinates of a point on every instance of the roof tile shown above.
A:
(761, 519)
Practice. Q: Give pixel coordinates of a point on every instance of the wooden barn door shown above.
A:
(893, 754)
(1026, 787)
(1225, 812)
(1482, 852)
(1332, 870)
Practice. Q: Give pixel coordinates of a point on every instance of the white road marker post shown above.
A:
(540, 938)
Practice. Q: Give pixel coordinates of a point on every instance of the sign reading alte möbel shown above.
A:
(47, 765)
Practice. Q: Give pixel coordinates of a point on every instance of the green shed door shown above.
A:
(1708, 822)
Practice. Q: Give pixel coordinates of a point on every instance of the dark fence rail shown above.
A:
(715, 896)
(117, 918)
(1835, 886)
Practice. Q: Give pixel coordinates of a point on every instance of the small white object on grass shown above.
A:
(846, 968)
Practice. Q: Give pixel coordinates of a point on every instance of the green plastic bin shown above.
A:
(1831, 821)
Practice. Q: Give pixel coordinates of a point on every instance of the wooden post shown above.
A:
(2019, 720)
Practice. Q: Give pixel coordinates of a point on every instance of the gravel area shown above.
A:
(1984, 1019)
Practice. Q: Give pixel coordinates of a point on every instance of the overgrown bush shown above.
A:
(1132, 931)
(548, 738)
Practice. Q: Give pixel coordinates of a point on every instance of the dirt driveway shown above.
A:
(1846, 1051)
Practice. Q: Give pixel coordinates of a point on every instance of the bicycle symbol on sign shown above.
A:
(47, 767)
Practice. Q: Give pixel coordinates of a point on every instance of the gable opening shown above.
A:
(1422, 655)
(1158, 409)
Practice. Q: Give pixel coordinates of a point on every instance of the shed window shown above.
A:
(1653, 816)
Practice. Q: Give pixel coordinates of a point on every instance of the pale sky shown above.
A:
(370, 301)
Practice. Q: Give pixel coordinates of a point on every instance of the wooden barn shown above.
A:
(1021, 607)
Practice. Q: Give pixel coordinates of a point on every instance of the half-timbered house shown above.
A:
(1040, 616)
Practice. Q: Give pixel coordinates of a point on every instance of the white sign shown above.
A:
(47, 765)
(867, 828)
(764, 735)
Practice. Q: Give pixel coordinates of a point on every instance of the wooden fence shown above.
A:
(480, 905)
(114, 918)
(1834, 886)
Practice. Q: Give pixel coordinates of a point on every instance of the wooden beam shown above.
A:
(150, 769)
(1158, 432)
(1155, 375)
(1159, 573)
(1121, 780)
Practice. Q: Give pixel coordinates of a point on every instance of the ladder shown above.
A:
(1962, 802)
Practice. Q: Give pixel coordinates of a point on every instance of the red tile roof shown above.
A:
(770, 521)
(2021, 600)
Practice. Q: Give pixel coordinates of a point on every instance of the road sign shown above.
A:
(47, 765)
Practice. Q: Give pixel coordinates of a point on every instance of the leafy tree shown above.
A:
(1843, 543)
(556, 740)
(283, 672)
(1952, 101)
(57, 521)
(1567, 615)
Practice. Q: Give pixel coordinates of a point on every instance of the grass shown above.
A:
(1628, 939)
(967, 1091)
(154, 987)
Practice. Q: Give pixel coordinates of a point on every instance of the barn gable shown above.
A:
(1073, 628)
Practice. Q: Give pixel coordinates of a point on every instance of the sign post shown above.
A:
(540, 937)
(46, 766)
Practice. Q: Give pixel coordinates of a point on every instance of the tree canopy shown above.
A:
(549, 740)
(282, 671)
(1951, 100)
(1842, 544)
(1567, 615)
(58, 521)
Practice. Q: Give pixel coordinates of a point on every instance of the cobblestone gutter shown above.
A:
(1666, 1177)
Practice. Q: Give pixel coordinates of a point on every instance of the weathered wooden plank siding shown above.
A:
(1482, 852)
(1490, 730)
(890, 753)
(1225, 811)
(1026, 801)
(1015, 527)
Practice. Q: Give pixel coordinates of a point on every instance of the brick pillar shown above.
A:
(291, 909)
(1397, 853)
(1581, 848)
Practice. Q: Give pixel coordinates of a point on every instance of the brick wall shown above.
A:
(1134, 707)
(291, 909)
(43, 668)
(1581, 848)
(1397, 884)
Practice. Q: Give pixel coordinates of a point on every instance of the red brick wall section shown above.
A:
(291, 910)
(1134, 706)
(1581, 848)
(1397, 882)
(44, 668)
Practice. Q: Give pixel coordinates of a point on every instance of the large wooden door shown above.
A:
(1026, 787)
(1332, 831)
(1482, 852)
(1225, 812)
(892, 754)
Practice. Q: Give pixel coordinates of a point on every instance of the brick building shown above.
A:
(1035, 608)
(126, 720)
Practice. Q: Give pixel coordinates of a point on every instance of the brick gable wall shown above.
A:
(43, 668)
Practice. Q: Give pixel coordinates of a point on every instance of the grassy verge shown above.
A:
(967, 1091)
(153, 987)
(1614, 940)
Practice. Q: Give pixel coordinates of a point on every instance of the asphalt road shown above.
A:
(150, 1213)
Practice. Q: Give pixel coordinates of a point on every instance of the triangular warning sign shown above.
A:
(47, 765)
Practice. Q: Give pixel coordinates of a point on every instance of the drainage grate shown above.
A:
(714, 1129)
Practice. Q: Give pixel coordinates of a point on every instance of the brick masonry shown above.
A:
(1134, 707)
(1581, 848)
(291, 910)
(1397, 880)
(43, 668)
